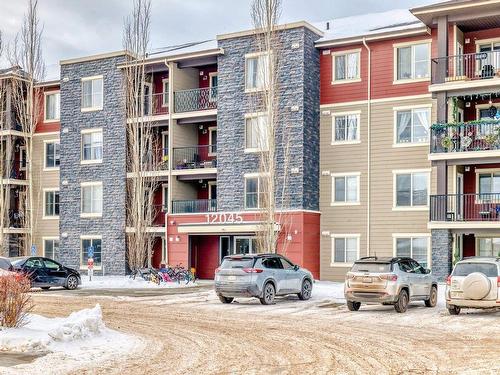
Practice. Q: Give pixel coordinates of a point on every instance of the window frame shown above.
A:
(44, 199)
(93, 107)
(412, 108)
(336, 54)
(346, 203)
(335, 236)
(211, 151)
(483, 171)
(487, 237)
(44, 245)
(251, 116)
(397, 172)
(265, 85)
(91, 237)
(165, 94)
(396, 47)
(412, 236)
(86, 132)
(22, 158)
(45, 143)
(259, 176)
(91, 214)
(49, 93)
(334, 124)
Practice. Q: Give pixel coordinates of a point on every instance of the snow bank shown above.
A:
(80, 339)
(125, 282)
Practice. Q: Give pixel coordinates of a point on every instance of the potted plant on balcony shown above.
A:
(447, 143)
(491, 139)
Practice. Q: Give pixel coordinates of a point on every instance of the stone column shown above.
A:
(442, 253)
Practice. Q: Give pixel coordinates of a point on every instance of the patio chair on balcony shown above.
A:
(487, 71)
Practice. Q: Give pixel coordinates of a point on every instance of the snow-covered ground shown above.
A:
(125, 282)
(67, 343)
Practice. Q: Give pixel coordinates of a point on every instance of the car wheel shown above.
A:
(353, 306)
(454, 310)
(402, 304)
(45, 287)
(268, 294)
(71, 282)
(431, 302)
(306, 290)
(225, 299)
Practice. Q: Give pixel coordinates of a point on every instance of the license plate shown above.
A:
(367, 280)
(231, 278)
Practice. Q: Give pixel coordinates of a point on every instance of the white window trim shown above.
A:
(257, 175)
(395, 236)
(347, 174)
(332, 255)
(21, 158)
(90, 215)
(91, 109)
(478, 236)
(164, 197)
(163, 92)
(45, 168)
(89, 237)
(490, 41)
(253, 150)
(395, 47)
(45, 94)
(342, 53)
(482, 106)
(53, 238)
(358, 133)
(250, 56)
(394, 191)
(210, 130)
(44, 215)
(90, 131)
(211, 183)
(395, 110)
(477, 172)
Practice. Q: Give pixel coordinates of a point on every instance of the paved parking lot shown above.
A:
(192, 332)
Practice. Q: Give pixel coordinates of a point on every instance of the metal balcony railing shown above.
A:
(195, 157)
(470, 66)
(9, 121)
(155, 104)
(465, 207)
(195, 100)
(159, 212)
(15, 219)
(194, 206)
(13, 169)
(465, 137)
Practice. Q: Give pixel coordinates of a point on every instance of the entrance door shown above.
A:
(224, 247)
(460, 196)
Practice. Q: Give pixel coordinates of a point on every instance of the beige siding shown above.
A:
(184, 79)
(43, 179)
(385, 158)
(186, 135)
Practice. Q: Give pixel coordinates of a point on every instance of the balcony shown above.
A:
(194, 206)
(195, 157)
(195, 100)
(159, 212)
(454, 208)
(13, 170)
(476, 136)
(156, 104)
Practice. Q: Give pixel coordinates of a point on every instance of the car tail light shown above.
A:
(389, 277)
(498, 281)
(217, 270)
(350, 276)
(253, 270)
(448, 280)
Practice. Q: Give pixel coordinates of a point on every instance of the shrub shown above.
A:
(15, 300)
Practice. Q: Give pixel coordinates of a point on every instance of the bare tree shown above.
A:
(3, 160)
(26, 56)
(142, 153)
(273, 133)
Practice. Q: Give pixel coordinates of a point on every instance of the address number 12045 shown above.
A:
(223, 218)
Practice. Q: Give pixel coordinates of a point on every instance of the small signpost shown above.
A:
(33, 250)
(90, 261)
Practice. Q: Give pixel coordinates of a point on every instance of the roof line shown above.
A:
(95, 57)
(285, 26)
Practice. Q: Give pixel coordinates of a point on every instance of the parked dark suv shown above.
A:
(46, 273)
(5, 264)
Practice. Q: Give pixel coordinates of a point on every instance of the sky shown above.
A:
(74, 28)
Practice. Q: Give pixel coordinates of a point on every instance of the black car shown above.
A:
(46, 273)
(5, 264)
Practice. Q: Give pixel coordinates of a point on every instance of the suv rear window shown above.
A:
(229, 263)
(464, 269)
(4, 264)
(371, 267)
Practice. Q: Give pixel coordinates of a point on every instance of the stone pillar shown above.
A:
(442, 253)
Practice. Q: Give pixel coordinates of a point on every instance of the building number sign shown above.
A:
(217, 218)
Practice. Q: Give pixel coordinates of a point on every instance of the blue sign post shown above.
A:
(90, 261)
(33, 250)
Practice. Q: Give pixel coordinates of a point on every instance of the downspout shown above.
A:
(369, 115)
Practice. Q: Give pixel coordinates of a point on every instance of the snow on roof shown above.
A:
(181, 49)
(368, 24)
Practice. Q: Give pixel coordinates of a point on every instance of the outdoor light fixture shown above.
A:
(64, 235)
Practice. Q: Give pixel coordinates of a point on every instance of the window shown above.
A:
(92, 93)
(413, 62)
(22, 158)
(488, 247)
(165, 92)
(51, 265)
(272, 263)
(256, 133)
(411, 189)
(214, 82)
(256, 71)
(416, 247)
(52, 152)
(52, 106)
(345, 189)
(345, 248)
(412, 126)
(345, 128)
(489, 184)
(487, 62)
(91, 199)
(245, 245)
(254, 191)
(212, 140)
(92, 145)
(346, 66)
(51, 199)
(95, 242)
(51, 248)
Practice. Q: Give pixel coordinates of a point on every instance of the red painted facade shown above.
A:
(42, 126)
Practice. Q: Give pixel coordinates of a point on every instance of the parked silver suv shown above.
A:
(263, 276)
(474, 283)
(390, 281)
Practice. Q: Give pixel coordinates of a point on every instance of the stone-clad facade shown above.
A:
(111, 172)
(298, 107)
